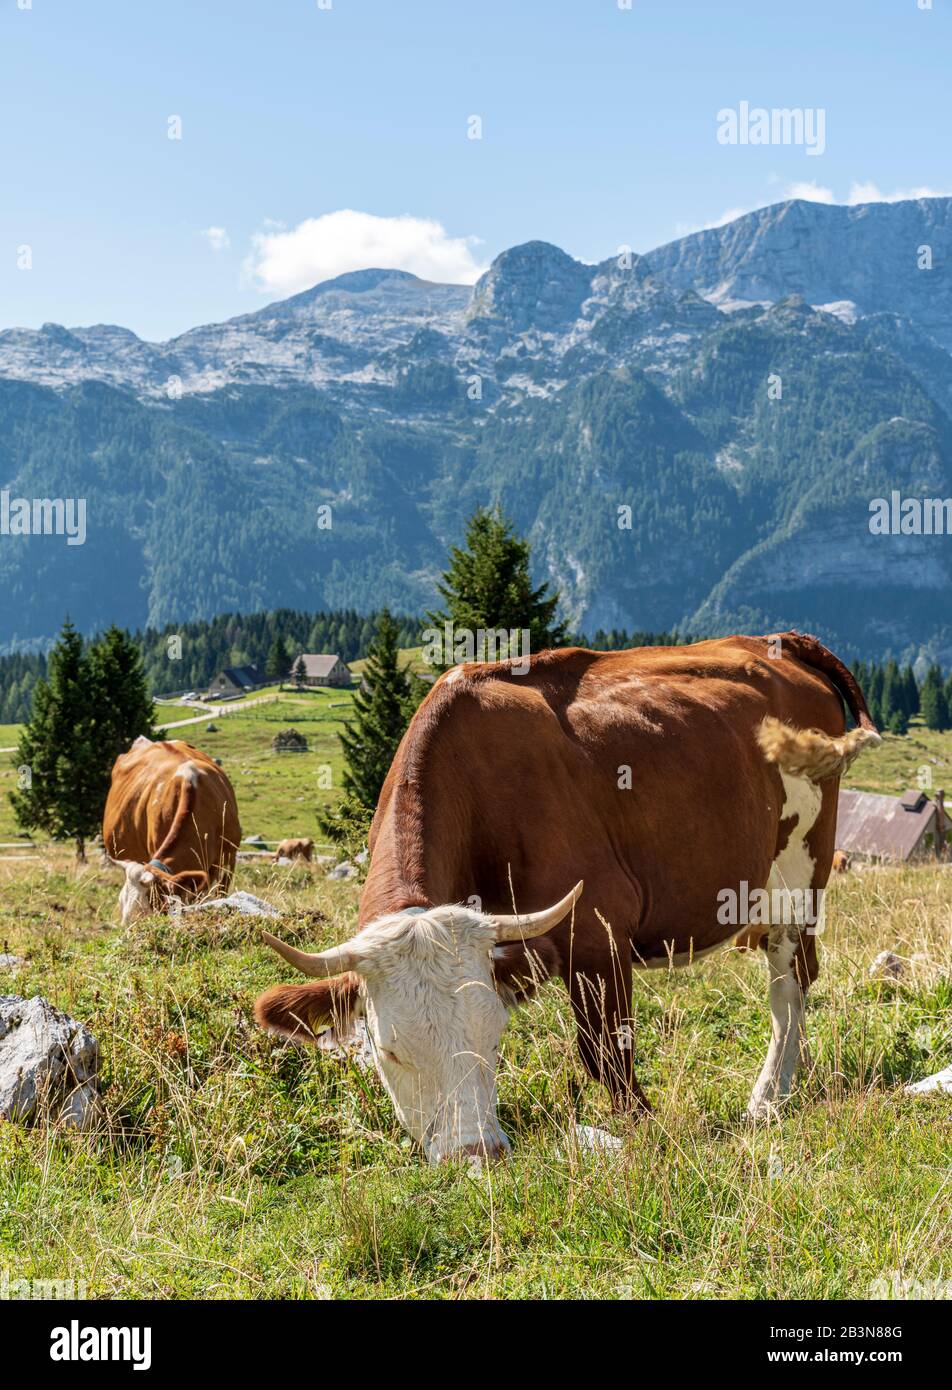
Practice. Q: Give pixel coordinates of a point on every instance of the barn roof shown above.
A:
(886, 827)
(242, 675)
(319, 664)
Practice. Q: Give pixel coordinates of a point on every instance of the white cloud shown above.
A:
(285, 261)
(812, 192)
(859, 193)
(869, 193)
(217, 238)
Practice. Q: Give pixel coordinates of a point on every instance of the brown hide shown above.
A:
(294, 849)
(171, 802)
(637, 771)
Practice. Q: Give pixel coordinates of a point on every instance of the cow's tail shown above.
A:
(186, 806)
(810, 752)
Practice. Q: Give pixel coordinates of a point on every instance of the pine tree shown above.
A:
(487, 585)
(935, 707)
(298, 672)
(892, 699)
(59, 780)
(276, 667)
(874, 695)
(911, 691)
(382, 708)
(898, 722)
(120, 706)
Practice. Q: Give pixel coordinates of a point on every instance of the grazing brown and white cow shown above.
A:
(171, 822)
(841, 861)
(664, 778)
(295, 849)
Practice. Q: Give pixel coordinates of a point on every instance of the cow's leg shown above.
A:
(601, 1000)
(792, 961)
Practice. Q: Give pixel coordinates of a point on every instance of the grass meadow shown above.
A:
(230, 1164)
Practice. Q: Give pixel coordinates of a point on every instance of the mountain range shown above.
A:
(690, 438)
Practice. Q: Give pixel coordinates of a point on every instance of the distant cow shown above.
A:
(662, 777)
(841, 861)
(171, 822)
(294, 849)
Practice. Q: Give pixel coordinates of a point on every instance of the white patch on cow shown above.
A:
(453, 675)
(434, 1021)
(794, 865)
(793, 870)
(786, 1024)
(142, 742)
(188, 773)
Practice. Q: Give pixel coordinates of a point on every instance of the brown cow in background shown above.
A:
(295, 849)
(171, 822)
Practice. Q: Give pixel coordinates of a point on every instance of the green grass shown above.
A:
(278, 793)
(896, 764)
(229, 1164)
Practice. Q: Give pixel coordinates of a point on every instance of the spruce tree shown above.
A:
(892, 700)
(911, 691)
(278, 662)
(59, 780)
(935, 707)
(898, 722)
(383, 707)
(487, 585)
(120, 705)
(874, 695)
(381, 714)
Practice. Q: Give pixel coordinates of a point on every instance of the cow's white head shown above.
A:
(146, 890)
(135, 897)
(433, 1016)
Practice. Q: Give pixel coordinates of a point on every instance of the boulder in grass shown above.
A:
(10, 962)
(938, 1085)
(245, 903)
(887, 966)
(48, 1061)
(343, 870)
(594, 1140)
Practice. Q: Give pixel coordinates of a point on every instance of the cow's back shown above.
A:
(146, 798)
(638, 771)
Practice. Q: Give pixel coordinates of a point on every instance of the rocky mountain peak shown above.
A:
(533, 286)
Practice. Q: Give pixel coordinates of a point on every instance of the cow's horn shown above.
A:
(337, 961)
(531, 924)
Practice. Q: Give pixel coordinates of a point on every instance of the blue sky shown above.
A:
(599, 129)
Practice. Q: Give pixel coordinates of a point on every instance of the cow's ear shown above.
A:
(302, 1012)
